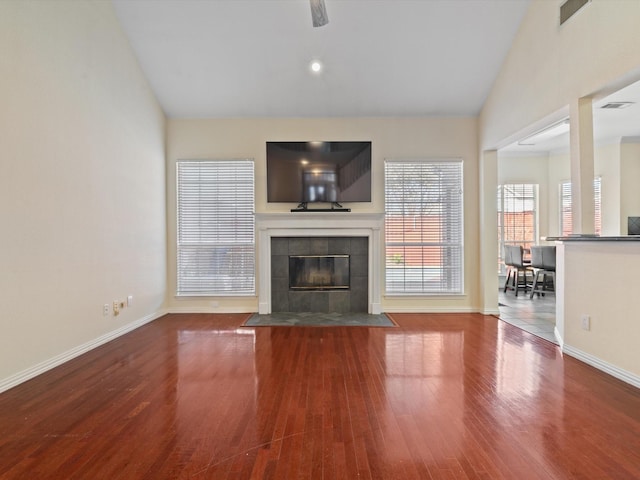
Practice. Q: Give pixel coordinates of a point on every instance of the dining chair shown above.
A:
(519, 272)
(543, 262)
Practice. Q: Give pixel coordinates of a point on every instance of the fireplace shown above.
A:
(319, 272)
(319, 233)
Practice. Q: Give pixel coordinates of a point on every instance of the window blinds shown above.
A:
(423, 227)
(566, 215)
(216, 232)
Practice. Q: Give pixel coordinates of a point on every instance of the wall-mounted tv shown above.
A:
(311, 172)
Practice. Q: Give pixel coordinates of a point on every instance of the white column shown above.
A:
(582, 202)
(488, 232)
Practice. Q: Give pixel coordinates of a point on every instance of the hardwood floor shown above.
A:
(441, 396)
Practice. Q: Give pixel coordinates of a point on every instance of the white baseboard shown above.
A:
(433, 310)
(208, 310)
(376, 309)
(558, 336)
(31, 372)
(612, 370)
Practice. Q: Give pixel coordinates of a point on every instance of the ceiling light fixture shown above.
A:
(319, 15)
(546, 133)
(316, 66)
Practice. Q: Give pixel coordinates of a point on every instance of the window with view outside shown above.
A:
(566, 222)
(517, 217)
(423, 227)
(215, 228)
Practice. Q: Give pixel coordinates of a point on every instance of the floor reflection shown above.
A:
(535, 315)
(440, 396)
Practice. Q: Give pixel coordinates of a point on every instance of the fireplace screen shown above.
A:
(319, 272)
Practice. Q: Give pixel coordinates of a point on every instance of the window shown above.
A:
(517, 217)
(423, 227)
(216, 232)
(566, 222)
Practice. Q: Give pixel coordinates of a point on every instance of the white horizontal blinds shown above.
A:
(423, 227)
(566, 219)
(501, 219)
(216, 229)
(597, 207)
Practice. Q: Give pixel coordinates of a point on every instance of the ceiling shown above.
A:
(609, 125)
(250, 58)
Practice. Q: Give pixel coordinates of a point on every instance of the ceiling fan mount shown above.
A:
(318, 13)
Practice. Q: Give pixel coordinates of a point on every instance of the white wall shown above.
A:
(82, 188)
(629, 182)
(391, 138)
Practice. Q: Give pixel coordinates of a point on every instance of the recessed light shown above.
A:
(316, 66)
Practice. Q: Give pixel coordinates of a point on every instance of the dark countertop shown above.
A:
(594, 238)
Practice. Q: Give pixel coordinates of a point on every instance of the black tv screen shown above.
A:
(308, 172)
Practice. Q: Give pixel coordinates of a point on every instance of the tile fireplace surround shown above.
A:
(353, 298)
(319, 224)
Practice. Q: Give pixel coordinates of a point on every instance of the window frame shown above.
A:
(522, 198)
(426, 279)
(215, 228)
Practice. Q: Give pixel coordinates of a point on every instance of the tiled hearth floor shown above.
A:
(317, 319)
(535, 315)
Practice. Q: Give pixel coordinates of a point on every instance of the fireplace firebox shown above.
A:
(319, 272)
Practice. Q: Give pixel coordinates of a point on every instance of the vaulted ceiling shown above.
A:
(251, 58)
(248, 58)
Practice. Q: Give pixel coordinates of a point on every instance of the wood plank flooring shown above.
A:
(443, 396)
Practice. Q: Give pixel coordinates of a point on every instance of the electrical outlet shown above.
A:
(105, 310)
(586, 322)
(116, 309)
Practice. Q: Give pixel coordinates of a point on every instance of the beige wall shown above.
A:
(629, 181)
(618, 166)
(612, 340)
(82, 188)
(548, 68)
(609, 165)
(529, 170)
(391, 138)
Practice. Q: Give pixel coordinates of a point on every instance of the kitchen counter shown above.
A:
(593, 238)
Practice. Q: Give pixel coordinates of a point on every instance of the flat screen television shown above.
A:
(318, 172)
